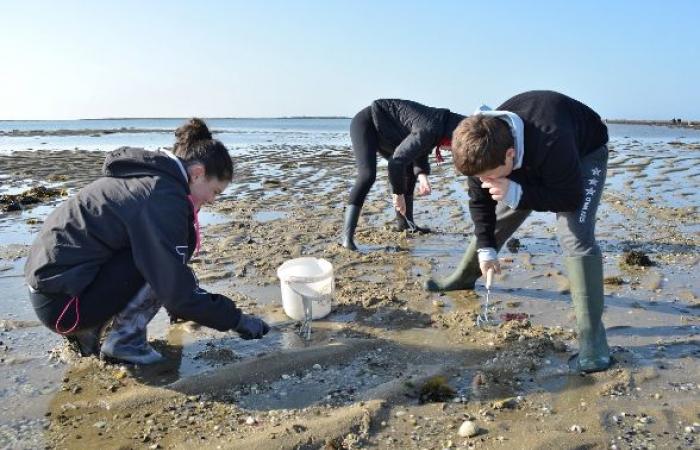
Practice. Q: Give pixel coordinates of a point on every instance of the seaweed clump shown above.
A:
(613, 281)
(436, 389)
(513, 245)
(39, 194)
(636, 258)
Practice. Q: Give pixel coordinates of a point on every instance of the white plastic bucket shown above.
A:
(306, 277)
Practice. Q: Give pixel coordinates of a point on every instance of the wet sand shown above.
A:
(366, 378)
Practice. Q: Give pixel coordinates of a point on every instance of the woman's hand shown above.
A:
(399, 203)
(251, 327)
(424, 185)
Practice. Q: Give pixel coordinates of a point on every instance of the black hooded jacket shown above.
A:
(559, 131)
(140, 204)
(408, 132)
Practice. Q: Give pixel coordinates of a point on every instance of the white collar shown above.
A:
(517, 129)
(177, 160)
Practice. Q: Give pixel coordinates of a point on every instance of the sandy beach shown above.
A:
(392, 366)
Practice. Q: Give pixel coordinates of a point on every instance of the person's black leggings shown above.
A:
(115, 284)
(365, 145)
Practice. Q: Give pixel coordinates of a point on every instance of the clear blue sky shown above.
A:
(87, 59)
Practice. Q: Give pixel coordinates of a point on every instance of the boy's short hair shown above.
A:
(479, 143)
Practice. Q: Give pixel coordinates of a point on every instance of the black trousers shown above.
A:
(365, 145)
(115, 284)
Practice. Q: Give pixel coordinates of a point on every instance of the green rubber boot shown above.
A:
(586, 279)
(464, 276)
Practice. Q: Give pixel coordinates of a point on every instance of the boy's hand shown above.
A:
(424, 185)
(498, 187)
(491, 264)
(399, 203)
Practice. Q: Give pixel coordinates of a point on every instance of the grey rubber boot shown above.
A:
(127, 339)
(586, 279)
(402, 225)
(352, 214)
(464, 276)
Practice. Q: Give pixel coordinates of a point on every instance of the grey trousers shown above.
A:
(575, 229)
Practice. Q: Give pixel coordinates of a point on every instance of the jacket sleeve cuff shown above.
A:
(512, 198)
(487, 254)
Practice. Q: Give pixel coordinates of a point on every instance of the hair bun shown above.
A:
(194, 130)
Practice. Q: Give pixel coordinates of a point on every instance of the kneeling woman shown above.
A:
(404, 133)
(118, 250)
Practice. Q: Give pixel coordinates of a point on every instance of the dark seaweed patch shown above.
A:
(39, 194)
(636, 258)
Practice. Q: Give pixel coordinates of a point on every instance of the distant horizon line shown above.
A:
(608, 120)
(179, 118)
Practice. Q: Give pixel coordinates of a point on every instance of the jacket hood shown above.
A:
(517, 129)
(127, 162)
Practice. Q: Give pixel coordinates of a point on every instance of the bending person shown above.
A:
(118, 250)
(404, 133)
(540, 151)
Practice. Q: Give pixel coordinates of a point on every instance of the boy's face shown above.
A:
(501, 171)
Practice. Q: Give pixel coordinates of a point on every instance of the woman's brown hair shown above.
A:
(194, 144)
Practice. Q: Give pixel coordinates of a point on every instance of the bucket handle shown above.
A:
(297, 279)
(299, 286)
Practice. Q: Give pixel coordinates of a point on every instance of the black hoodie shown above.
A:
(408, 131)
(140, 204)
(559, 131)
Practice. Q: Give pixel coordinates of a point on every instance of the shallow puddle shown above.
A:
(267, 216)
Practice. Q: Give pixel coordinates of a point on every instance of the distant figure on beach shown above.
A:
(539, 151)
(404, 133)
(118, 250)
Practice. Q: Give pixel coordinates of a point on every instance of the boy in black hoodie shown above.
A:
(540, 151)
(119, 249)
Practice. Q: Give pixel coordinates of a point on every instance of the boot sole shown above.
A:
(573, 365)
(430, 286)
(115, 360)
